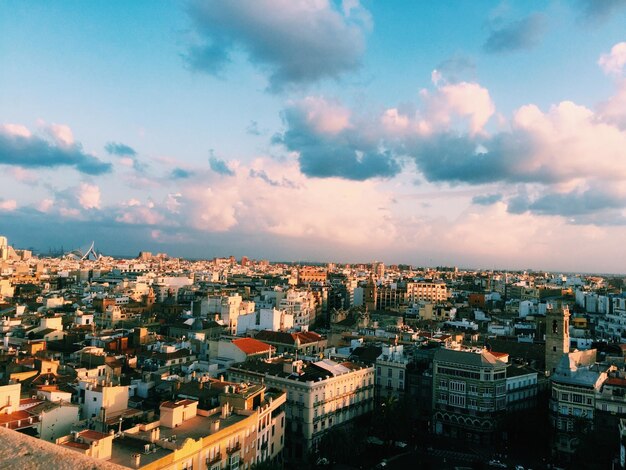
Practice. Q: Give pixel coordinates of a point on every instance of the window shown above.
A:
(389, 373)
(457, 400)
(401, 375)
(457, 386)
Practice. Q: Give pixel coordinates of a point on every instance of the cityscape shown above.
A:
(302, 234)
(161, 362)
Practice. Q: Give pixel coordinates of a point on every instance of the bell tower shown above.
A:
(557, 336)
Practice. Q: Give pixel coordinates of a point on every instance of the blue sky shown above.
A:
(486, 134)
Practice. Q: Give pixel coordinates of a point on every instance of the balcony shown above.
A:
(214, 460)
(236, 448)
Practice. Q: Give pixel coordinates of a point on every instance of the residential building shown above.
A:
(320, 395)
(576, 381)
(391, 372)
(469, 394)
(431, 291)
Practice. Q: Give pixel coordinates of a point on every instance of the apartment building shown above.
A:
(391, 372)
(431, 291)
(320, 395)
(469, 394)
(576, 381)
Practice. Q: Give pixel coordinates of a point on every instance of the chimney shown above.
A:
(214, 426)
(225, 411)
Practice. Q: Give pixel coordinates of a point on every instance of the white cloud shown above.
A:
(325, 116)
(613, 110)
(89, 196)
(613, 62)
(8, 205)
(62, 133)
(16, 130)
(464, 100)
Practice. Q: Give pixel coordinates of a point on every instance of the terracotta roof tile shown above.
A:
(252, 346)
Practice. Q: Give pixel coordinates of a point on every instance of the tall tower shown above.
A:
(4, 248)
(557, 336)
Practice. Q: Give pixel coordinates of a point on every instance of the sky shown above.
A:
(485, 134)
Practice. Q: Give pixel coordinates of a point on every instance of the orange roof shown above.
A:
(252, 346)
(15, 416)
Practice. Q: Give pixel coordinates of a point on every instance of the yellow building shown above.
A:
(247, 428)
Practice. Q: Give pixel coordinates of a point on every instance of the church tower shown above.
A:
(557, 336)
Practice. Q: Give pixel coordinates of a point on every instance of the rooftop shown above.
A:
(21, 451)
(252, 346)
(479, 358)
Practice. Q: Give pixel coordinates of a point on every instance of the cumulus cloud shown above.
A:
(613, 110)
(331, 142)
(287, 204)
(19, 147)
(460, 100)
(517, 35)
(613, 62)
(561, 160)
(328, 145)
(296, 41)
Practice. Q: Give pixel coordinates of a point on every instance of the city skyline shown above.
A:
(488, 134)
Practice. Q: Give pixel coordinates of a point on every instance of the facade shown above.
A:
(575, 382)
(521, 388)
(435, 292)
(310, 274)
(391, 372)
(469, 394)
(320, 395)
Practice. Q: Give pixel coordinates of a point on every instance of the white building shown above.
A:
(391, 371)
(320, 395)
